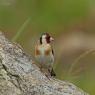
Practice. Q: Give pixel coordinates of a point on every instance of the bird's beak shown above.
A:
(51, 39)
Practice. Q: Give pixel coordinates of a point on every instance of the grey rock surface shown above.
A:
(19, 76)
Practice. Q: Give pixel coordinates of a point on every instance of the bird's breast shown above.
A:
(43, 50)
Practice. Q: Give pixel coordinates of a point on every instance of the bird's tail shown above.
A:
(52, 73)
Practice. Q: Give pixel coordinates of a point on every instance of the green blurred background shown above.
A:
(70, 22)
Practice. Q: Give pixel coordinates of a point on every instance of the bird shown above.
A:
(44, 53)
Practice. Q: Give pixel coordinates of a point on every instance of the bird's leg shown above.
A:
(47, 74)
(46, 71)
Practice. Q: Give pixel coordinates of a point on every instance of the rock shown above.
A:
(19, 76)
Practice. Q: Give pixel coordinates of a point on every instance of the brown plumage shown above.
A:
(37, 51)
(47, 52)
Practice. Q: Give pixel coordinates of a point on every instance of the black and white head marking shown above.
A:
(45, 38)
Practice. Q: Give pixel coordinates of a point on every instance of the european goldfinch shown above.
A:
(44, 53)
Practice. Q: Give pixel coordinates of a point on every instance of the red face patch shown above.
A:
(48, 38)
